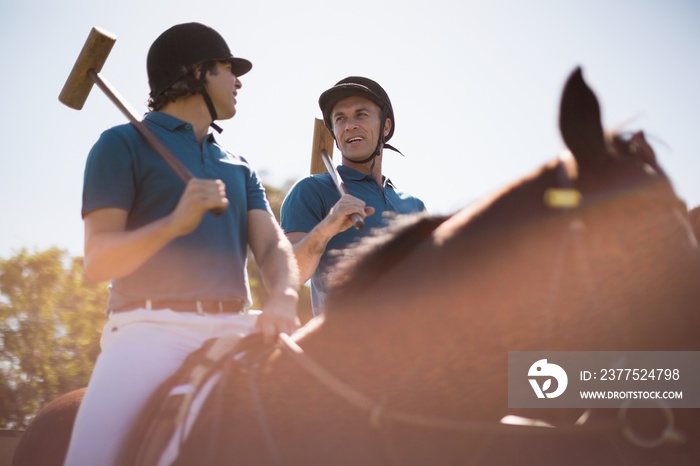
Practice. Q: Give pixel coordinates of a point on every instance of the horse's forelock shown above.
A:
(634, 145)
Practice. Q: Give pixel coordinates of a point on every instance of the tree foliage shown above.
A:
(51, 318)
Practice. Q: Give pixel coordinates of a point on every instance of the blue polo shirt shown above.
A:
(311, 199)
(123, 172)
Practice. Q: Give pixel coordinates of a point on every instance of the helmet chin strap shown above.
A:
(210, 104)
(212, 112)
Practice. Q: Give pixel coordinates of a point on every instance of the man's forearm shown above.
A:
(111, 254)
(308, 249)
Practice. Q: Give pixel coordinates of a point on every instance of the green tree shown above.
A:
(50, 321)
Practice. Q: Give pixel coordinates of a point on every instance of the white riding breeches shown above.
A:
(140, 350)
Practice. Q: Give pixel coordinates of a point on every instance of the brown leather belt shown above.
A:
(202, 307)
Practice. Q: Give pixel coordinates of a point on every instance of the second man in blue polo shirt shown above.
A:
(315, 218)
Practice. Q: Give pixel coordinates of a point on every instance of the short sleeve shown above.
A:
(108, 178)
(305, 205)
(255, 191)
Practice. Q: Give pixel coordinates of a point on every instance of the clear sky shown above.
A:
(475, 87)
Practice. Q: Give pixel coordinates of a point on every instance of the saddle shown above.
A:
(170, 413)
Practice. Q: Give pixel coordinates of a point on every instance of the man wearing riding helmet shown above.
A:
(316, 219)
(178, 272)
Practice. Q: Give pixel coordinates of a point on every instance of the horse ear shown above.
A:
(579, 122)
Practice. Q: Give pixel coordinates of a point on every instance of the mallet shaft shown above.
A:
(151, 139)
(340, 186)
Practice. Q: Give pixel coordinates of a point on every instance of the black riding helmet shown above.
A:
(362, 87)
(183, 46)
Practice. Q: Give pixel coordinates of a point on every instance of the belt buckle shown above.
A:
(200, 308)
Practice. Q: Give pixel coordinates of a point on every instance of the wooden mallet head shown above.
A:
(92, 56)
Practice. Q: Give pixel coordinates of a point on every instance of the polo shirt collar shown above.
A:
(171, 123)
(164, 120)
(354, 175)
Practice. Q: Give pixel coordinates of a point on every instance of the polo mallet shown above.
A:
(340, 186)
(86, 72)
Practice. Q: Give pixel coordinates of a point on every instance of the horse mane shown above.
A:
(362, 263)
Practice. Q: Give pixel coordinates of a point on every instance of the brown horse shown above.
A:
(409, 363)
(45, 442)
